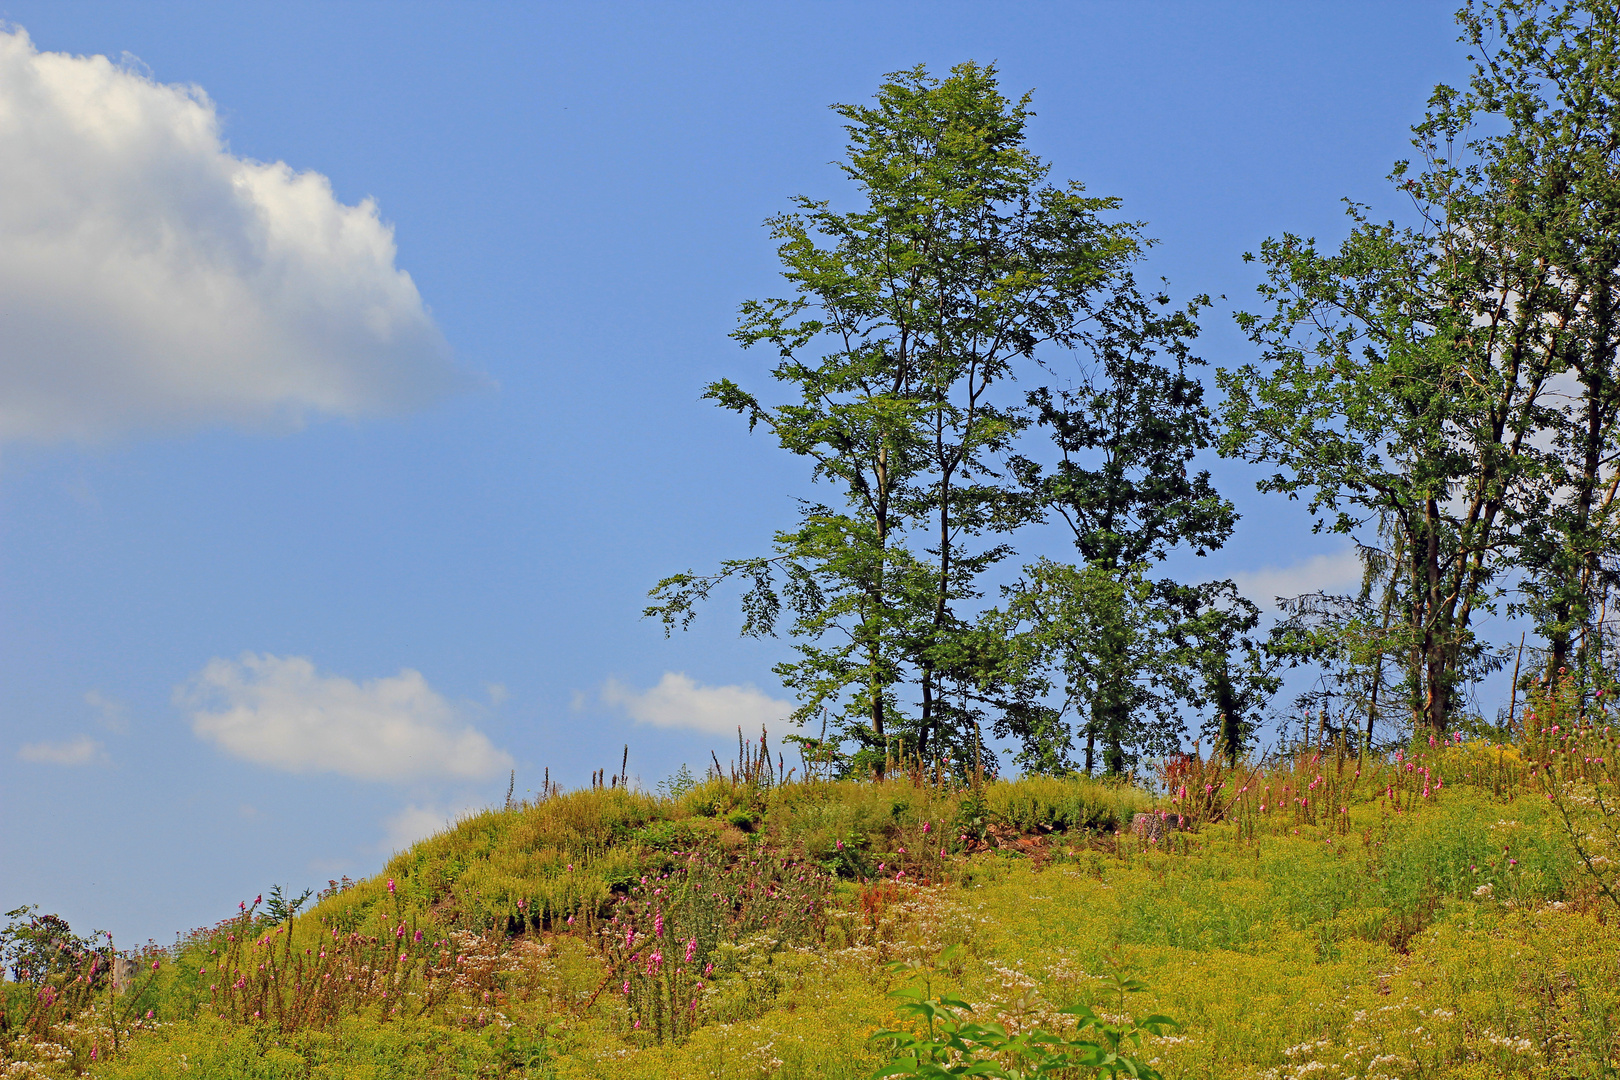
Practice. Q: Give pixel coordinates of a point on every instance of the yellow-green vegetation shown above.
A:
(1334, 917)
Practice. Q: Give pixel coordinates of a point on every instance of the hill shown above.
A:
(1332, 916)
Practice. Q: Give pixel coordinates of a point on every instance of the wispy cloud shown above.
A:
(151, 279)
(281, 712)
(80, 751)
(678, 702)
(110, 713)
(415, 823)
(1340, 571)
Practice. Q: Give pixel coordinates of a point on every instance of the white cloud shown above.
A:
(111, 712)
(278, 711)
(80, 751)
(679, 702)
(151, 279)
(417, 823)
(1339, 572)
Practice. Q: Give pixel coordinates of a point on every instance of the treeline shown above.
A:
(967, 358)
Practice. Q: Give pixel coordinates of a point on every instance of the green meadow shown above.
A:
(1327, 916)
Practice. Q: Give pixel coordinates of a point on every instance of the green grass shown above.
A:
(1448, 934)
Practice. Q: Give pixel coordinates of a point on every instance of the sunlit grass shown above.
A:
(1420, 917)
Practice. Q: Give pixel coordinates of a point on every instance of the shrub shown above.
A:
(1063, 803)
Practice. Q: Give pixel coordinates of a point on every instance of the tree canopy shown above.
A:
(906, 320)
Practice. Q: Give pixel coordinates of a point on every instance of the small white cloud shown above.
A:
(110, 713)
(417, 823)
(1338, 572)
(678, 702)
(280, 712)
(498, 693)
(80, 751)
(151, 279)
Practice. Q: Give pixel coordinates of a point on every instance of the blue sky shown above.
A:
(256, 511)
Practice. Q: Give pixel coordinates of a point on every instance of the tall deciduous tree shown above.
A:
(1132, 650)
(1547, 77)
(1399, 393)
(1453, 386)
(905, 319)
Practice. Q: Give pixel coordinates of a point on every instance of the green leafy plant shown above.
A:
(678, 784)
(281, 907)
(974, 817)
(950, 1045)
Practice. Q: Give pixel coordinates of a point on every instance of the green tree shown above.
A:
(1397, 412)
(1546, 86)
(1407, 388)
(906, 317)
(1351, 637)
(1132, 650)
(1101, 630)
(1234, 675)
(1455, 385)
(1130, 656)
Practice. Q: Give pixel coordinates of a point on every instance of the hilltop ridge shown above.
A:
(1325, 914)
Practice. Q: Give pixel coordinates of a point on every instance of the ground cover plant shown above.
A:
(1424, 913)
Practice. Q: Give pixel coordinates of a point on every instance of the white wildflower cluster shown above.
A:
(1012, 979)
(31, 1058)
(488, 970)
(762, 1058)
(25, 1070)
(1020, 1005)
(1291, 1052)
(1504, 1042)
(1395, 1062)
(1068, 979)
(908, 922)
(1391, 1042)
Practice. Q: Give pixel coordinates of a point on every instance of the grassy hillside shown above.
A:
(1326, 917)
